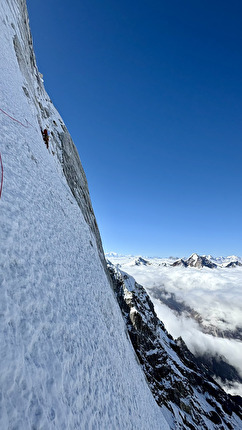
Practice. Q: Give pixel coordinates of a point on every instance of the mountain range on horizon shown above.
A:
(195, 260)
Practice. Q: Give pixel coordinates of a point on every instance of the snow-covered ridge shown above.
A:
(66, 361)
(195, 260)
(201, 261)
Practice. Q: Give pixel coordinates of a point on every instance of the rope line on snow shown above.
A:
(14, 119)
(1, 185)
(30, 125)
(1, 162)
(23, 125)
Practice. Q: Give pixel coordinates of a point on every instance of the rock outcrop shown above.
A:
(195, 260)
(233, 264)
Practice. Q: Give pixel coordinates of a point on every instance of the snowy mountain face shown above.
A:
(189, 397)
(195, 261)
(66, 361)
(201, 305)
(200, 261)
(141, 262)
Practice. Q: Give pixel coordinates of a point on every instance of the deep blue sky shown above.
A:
(151, 92)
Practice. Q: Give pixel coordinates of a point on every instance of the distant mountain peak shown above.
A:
(200, 261)
(141, 262)
(195, 260)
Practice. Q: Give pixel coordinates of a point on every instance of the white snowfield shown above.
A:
(66, 361)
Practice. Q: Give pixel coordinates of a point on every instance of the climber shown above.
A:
(45, 135)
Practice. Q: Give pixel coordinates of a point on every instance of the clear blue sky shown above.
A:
(151, 92)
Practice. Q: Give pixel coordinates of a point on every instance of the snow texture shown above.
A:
(66, 362)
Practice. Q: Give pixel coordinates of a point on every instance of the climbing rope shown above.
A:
(23, 125)
(1, 162)
(1, 185)
(14, 119)
(30, 125)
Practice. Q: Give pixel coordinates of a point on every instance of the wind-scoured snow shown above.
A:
(66, 362)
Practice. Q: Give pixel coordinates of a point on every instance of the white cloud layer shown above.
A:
(198, 342)
(215, 294)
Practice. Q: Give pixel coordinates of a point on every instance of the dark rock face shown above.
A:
(178, 382)
(233, 264)
(200, 261)
(77, 182)
(141, 262)
(180, 262)
(195, 261)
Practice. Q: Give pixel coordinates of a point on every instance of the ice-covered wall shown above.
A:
(65, 358)
(62, 144)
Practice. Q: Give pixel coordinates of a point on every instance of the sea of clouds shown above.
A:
(215, 296)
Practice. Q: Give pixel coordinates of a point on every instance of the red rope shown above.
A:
(14, 119)
(1, 186)
(1, 162)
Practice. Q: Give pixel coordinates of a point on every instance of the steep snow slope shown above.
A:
(65, 358)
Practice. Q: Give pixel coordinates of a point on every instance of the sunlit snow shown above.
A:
(65, 358)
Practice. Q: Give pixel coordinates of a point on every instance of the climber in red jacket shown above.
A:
(45, 135)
